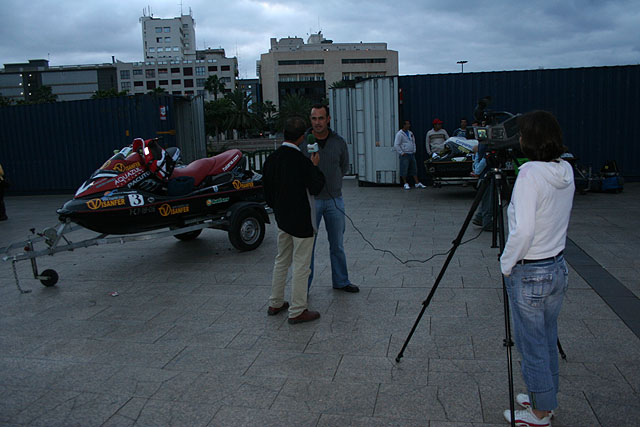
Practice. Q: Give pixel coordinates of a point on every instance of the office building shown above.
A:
(309, 69)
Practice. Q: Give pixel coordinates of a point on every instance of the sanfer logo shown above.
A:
(94, 204)
(165, 210)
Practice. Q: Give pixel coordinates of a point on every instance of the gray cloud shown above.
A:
(430, 36)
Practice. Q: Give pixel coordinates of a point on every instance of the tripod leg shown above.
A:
(498, 220)
(452, 251)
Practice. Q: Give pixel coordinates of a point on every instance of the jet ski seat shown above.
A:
(210, 166)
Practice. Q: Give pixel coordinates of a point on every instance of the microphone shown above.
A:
(312, 145)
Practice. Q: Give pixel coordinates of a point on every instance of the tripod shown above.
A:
(494, 178)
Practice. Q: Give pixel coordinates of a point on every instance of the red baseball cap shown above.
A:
(437, 121)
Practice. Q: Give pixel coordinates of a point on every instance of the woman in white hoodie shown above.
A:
(533, 264)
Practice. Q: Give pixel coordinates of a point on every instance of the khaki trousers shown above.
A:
(295, 252)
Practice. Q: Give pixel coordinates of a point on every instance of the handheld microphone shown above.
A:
(312, 145)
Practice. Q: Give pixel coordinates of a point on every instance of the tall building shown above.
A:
(168, 38)
(309, 69)
(171, 61)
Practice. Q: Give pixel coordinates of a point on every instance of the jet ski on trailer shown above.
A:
(140, 190)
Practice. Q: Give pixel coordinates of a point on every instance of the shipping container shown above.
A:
(53, 148)
(596, 108)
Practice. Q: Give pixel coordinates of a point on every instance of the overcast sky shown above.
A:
(430, 36)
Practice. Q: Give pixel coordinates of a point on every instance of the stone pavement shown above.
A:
(187, 341)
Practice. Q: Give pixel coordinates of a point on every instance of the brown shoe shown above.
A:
(305, 316)
(272, 311)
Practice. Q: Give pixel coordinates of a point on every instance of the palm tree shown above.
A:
(214, 85)
(157, 91)
(294, 105)
(240, 117)
(268, 112)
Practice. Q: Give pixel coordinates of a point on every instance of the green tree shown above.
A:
(214, 85)
(240, 117)
(216, 115)
(268, 112)
(293, 105)
(4, 101)
(109, 93)
(157, 91)
(42, 95)
(339, 84)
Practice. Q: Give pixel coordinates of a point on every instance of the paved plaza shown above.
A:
(187, 341)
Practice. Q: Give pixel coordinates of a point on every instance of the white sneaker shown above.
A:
(526, 418)
(420, 185)
(523, 400)
(406, 187)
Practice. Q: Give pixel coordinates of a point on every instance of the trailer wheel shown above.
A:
(247, 230)
(51, 277)
(189, 235)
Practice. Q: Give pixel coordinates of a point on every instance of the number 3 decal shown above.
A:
(136, 200)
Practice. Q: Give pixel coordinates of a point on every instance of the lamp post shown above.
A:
(462, 65)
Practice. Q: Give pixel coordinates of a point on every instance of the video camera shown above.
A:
(499, 131)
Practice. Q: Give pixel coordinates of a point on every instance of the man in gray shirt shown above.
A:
(334, 164)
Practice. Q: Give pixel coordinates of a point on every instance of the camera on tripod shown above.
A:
(498, 131)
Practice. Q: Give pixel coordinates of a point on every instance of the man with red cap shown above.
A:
(436, 138)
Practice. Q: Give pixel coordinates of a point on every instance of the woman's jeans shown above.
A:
(536, 291)
(332, 211)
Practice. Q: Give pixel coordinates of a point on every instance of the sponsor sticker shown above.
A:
(94, 204)
(122, 179)
(238, 185)
(231, 162)
(136, 200)
(142, 211)
(167, 209)
(121, 167)
(211, 202)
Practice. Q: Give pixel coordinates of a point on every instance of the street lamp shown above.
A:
(462, 65)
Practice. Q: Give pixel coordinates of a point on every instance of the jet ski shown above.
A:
(142, 188)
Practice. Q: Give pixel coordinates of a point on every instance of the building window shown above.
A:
(188, 92)
(163, 82)
(137, 72)
(365, 61)
(176, 49)
(167, 39)
(158, 29)
(187, 71)
(175, 82)
(188, 82)
(151, 84)
(301, 61)
(177, 92)
(213, 68)
(139, 83)
(149, 73)
(152, 49)
(158, 39)
(200, 71)
(175, 70)
(200, 82)
(125, 75)
(160, 49)
(225, 79)
(162, 71)
(167, 29)
(125, 85)
(225, 68)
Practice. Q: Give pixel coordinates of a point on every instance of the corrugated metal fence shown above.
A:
(596, 106)
(55, 147)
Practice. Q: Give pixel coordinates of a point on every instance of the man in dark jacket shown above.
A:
(291, 180)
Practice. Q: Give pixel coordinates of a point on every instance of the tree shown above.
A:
(109, 93)
(4, 101)
(157, 91)
(215, 116)
(42, 95)
(214, 85)
(268, 112)
(240, 118)
(294, 105)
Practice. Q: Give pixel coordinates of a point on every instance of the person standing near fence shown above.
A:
(405, 145)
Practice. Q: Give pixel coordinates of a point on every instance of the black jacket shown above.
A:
(287, 175)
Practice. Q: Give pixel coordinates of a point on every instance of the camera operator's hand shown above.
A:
(315, 158)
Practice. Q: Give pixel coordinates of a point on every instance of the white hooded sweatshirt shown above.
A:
(538, 212)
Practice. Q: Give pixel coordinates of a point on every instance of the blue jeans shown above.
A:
(408, 165)
(536, 292)
(334, 221)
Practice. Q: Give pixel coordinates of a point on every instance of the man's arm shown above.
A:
(397, 142)
(344, 159)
